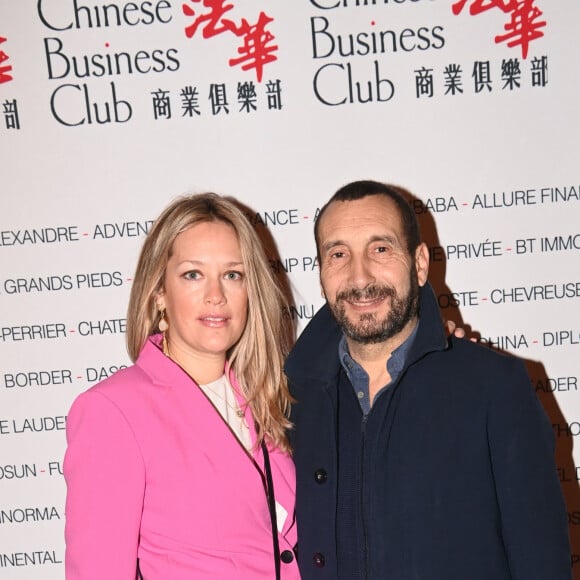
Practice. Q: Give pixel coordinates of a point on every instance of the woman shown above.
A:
(171, 462)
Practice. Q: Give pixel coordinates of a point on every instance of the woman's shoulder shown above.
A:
(125, 385)
(122, 379)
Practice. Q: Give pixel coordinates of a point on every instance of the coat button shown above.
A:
(286, 556)
(320, 476)
(319, 560)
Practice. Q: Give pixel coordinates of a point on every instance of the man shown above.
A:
(419, 457)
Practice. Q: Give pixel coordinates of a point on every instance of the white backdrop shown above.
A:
(111, 109)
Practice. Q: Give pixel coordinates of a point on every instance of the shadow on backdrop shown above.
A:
(450, 304)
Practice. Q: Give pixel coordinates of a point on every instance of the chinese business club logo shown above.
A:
(520, 30)
(256, 48)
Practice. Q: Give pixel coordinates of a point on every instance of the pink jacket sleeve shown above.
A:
(105, 477)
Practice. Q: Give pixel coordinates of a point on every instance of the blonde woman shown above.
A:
(178, 466)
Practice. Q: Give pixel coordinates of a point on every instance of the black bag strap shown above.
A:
(272, 508)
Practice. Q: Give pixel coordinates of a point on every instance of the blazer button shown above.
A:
(320, 476)
(286, 556)
(319, 560)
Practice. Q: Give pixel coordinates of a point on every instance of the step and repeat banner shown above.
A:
(111, 109)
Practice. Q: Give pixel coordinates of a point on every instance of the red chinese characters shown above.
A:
(257, 48)
(4, 68)
(524, 24)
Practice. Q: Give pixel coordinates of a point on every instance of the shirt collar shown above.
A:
(395, 363)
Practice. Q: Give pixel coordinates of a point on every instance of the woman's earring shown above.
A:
(163, 326)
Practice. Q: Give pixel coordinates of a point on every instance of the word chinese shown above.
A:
(108, 15)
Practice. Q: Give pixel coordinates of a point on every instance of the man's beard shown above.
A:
(367, 329)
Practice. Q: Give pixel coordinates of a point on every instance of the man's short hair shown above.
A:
(359, 189)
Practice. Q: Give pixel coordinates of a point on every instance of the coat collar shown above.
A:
(164, 372)
(157, 366)
(315, 354)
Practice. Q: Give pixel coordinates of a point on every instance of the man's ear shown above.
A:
(422, 263)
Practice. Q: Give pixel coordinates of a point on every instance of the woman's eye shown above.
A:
(234, 275)
(191, 275)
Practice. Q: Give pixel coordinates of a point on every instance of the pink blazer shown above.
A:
(153, 472)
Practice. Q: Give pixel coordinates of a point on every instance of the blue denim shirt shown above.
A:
(359, 378)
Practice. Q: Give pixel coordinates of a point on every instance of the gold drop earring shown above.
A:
(163, 326)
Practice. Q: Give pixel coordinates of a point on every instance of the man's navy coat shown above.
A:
(458, 477)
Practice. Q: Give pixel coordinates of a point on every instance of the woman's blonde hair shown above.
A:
(257, 358)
